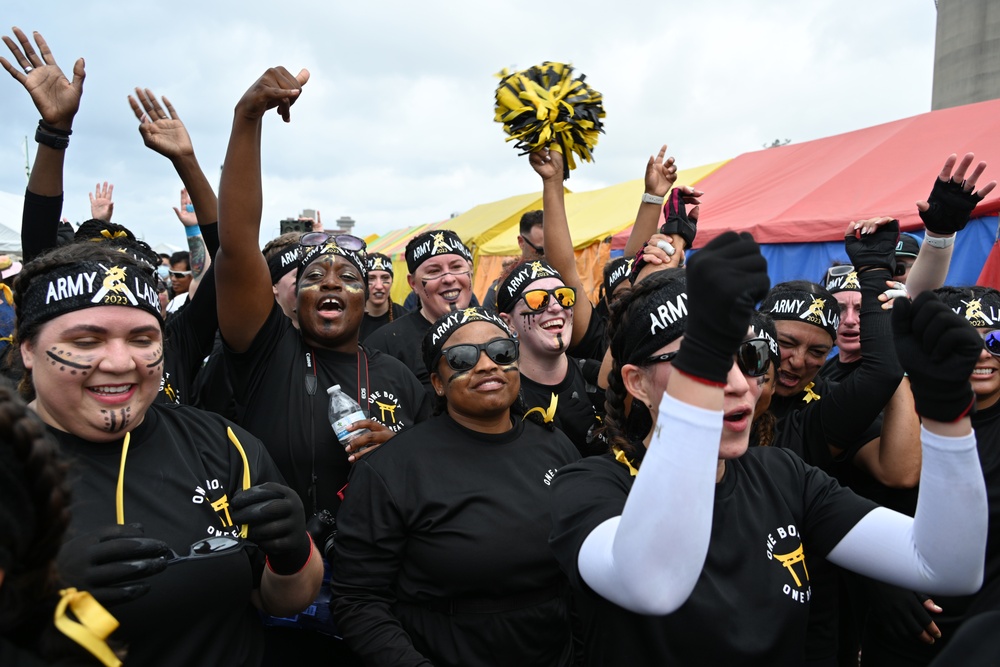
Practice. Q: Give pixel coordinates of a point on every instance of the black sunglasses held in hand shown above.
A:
(753, 357)
(463, 357)
(210, 547)
(537, 300)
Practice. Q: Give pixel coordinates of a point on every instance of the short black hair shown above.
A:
(529, 220)
(181, 256)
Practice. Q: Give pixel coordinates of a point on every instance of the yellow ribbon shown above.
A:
(94, 625)
(120, 488)
(548, 414)
(117, 235)
(620, 457)
(810, 394)
(246, 470)
(8, 296)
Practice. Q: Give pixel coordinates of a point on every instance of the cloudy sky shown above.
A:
(395, 127)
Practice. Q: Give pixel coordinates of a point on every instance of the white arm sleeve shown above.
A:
(942, 549)
(648, 560)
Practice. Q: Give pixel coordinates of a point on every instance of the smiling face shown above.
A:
(180, 277)
(544, 333)
(985, 377)
(849, 331)
(379, 285)
(486, 391)
(444, 284)
(804, 348)
(96, 371)
(331, 303)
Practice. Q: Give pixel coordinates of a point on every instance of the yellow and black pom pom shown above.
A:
(545, 105)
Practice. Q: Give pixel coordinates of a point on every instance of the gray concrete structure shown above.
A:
(966, 53)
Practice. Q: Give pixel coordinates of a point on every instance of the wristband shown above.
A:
(193, 230)
(52, 129)
(651, 199)
(58, 142)
(939, 241)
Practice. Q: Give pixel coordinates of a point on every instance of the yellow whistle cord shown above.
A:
(120, 489)
(93, 627)
(246, 470)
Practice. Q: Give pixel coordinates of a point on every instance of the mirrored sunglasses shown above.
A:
(991, 341)
(465, 356)
(210, 547)
(538, 299)
(343, 241)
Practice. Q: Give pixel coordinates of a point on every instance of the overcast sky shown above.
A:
(395, 127)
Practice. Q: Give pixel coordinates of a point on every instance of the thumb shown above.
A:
(79, 74)
(923, 206)
(177, 211)
(303, 76)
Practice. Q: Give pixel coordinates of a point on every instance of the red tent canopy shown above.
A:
(808, 192)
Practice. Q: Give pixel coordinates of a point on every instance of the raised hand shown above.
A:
(187, 218)
(954, 196)
(547, 163)
(161, 130)
(276, 88)
(872, 243)
(101, 205)
(56, 98)
(660, 174)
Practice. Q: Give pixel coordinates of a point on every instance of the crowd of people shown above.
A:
(697, 468)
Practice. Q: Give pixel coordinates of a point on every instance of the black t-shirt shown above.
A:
(442, 513)
(188, 338)
(180, 471)
(574, 407)
(270, 383)
(594, 343)
(370, 323)
(751, 602)
(403, 339)
(834, 370)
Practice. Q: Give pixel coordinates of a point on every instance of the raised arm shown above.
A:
(557, 242)
(242, 277)
(57, 100)
(660, 177)
(102, 205)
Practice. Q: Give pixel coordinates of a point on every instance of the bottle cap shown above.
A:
(332, 389)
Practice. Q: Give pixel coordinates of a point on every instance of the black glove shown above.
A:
(676, 219)
(725, 280)
(950, 207)
(111, 562)
(277, 524)
(875, 250)
(898, 612)
(939, 349)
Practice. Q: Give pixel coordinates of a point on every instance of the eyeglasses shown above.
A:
(753, 357)
(463, 357)
(537, 248)
(179, 274)
(343, 241)
(537, 300)
(210, 547)
(991, 341)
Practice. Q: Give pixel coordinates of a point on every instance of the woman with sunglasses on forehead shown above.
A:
(280, 374)
(539, 307)
(151, 482)
(442, 555)
(685, 546)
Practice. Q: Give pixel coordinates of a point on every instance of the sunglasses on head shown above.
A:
(465, 356)
(991, 341)
(537, 300)
(753, 357)
(210, 547)
(343, 241)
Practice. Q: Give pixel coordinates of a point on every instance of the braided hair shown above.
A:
(27, 329)
(620, 428)
(34, 508)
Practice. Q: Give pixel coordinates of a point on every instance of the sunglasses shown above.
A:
(342, 241)
(179, 274)
(753, 357)
(464, 357)
(991, 341)
(537, 248)
(537, 300)
(210, 547)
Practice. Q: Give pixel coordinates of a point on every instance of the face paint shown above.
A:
(62, 358)
(156, 362)
(528, 318)
(456, 375)
(559, 342)
(117, 420)
(453, 307)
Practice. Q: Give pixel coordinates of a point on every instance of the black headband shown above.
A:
(446, 325)
(522, 275)
(617, 275)
(979, 305)
(289, 259)
(86, 285)
(359, 258)
(820, 310)
(763, 327)
(845, 283)
(431, 244)
(379, 262)
(661, 321)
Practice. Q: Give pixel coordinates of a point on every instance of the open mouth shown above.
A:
(553, 324)
(451, 295)
(111, 393)
(331, 304)
(490, 383)
(738, 420)
(787, 379)
(983, 372)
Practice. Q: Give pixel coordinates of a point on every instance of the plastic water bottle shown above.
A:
(344, 411)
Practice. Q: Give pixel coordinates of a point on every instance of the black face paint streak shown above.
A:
(159, 360)
(56, 359)
(527, 317)
(456, 375)
(559, 342)
(452, 306)
(512, 368)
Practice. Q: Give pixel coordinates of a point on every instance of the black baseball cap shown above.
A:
(907, 246)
